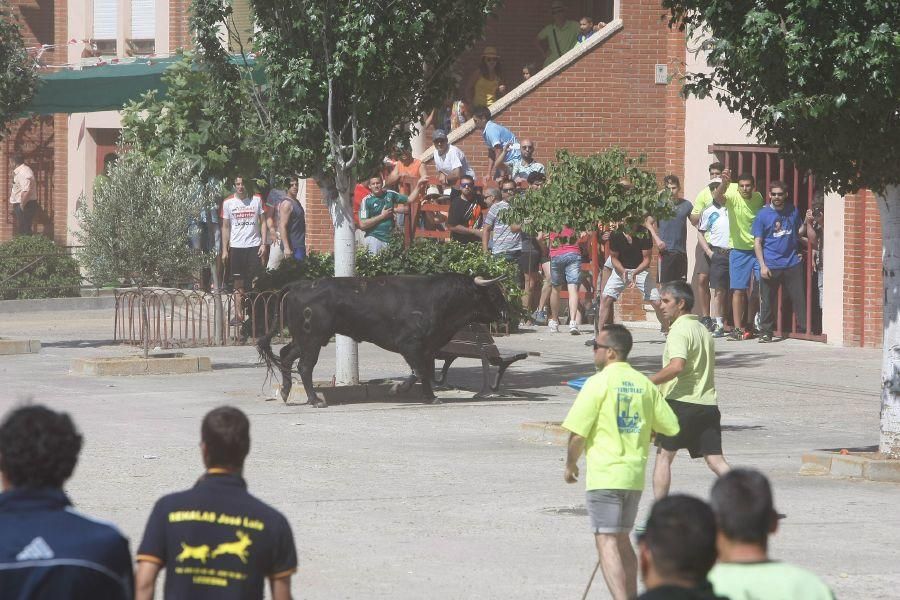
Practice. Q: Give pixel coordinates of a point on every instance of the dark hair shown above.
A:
(530, 68)
(747, 177)
(681, 537)
(535, 177)
(482, 67)
(619, 339)
(38, 447)
(482, 112)
(672, 179)
(717, 166)
(713, 187)
(679, 291)
(226, 433)
(466, 176)
(18, 157)
(778, 184)
(742, 501)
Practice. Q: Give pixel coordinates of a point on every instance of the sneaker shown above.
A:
(756, 322)
(719, 332)
(748, 334)
(573, 328)
(540, 317)
(765, 338)
(553, 326)
(736, 335)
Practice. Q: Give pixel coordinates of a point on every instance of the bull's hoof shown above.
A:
(435, 401)
(285, 394)
(319, 402)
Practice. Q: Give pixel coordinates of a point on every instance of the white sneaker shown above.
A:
(573, 328)
(553, 326)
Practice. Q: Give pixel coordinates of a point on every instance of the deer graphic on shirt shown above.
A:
(238, 548)
(200, 553)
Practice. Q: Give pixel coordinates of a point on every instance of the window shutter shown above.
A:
(143, 19)
(106, 16)
(240, 12)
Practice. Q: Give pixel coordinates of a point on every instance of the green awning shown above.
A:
(107, 87)
(92, 89)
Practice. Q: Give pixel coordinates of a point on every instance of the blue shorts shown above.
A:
(568, 265)
(300, 253)
(741, 265)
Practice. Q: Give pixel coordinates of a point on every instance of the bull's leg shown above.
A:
(289, 353)
(308, 359)
(425, 368)
(402, 388)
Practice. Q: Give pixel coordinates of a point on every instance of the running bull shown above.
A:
(414, 316)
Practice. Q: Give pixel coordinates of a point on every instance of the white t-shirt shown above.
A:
(245, 217)
(453, 159)
(714, 220)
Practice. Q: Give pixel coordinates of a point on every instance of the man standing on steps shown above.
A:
(687, 382)
(610, 423)
(292, 223)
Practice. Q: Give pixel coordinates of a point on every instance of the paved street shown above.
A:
(402, 500)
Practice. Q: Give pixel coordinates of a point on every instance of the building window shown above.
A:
(106, 19)
(142, 39)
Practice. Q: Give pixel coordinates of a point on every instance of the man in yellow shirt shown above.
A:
(687, 382)
(743, 202)
(610, 422)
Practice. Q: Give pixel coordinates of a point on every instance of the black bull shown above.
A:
(414, 316)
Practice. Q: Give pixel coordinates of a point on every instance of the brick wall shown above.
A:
(42, 139)
(863, 283)
(179, 24)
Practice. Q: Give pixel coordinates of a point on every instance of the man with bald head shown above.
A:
(526, 165)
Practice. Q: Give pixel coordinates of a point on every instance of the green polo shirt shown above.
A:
(703, 199)
(372, 206)
(688, 339)
(615, 412)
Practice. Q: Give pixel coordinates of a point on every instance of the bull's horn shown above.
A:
(485, 282)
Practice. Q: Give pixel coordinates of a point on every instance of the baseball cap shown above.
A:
(715, 180)
(433, 190)
(439, 134)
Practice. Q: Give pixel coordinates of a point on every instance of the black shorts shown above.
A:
(701, 429)
(672, 267)
(244, 263)
(719, 273)
(530, 261)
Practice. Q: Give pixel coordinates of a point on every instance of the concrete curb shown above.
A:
(546, 432)
(8, 346)
(57, 304)
(138, 365)
(866, 465)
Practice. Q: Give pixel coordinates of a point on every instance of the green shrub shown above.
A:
(54, 275)
(423, 257)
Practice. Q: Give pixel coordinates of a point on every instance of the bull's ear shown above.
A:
(486, 282)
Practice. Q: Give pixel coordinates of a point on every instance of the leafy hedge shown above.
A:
(56, 275)
(423, 257)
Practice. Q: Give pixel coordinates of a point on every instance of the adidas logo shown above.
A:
(37, 549)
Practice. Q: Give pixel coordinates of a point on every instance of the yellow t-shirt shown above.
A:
(615, 412)
(740, 216)
(690, 340)
(703, 199)
(485, 91)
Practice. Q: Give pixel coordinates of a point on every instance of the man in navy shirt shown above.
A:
(777, 230)
(215, 540)
(47, 550)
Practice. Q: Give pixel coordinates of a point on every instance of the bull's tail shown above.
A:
(264, 347)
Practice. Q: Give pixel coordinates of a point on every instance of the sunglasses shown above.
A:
(508, 190)
(527, 147)
(466, 185)
(597, 346)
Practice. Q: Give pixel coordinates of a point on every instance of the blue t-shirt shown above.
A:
(494, 134)
(780, 235)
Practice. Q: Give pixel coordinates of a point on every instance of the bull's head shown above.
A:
(493, 305)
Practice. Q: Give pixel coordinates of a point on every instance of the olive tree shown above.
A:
(820, 79)
(344, 80)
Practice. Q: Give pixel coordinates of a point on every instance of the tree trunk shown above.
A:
(889, 206)
(340, 206)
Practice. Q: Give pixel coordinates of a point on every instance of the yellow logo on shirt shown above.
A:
(238, 548)
(200, 553)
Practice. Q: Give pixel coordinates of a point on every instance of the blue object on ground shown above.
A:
(577, 384)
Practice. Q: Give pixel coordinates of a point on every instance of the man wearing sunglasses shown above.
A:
(466, 216)
(526, 165)
(777, 230)
(610, 423)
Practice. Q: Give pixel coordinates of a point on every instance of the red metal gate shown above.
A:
(766, 165)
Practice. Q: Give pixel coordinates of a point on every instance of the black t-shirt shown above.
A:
(216, 541)
(631, 254)
(467, 214)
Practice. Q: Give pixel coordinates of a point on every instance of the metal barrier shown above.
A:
(184, 318)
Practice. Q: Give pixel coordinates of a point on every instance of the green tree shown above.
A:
(582, 191)
(135, 232)
(190, 119)
(18, 78)
(821, 80)
(344, 79)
